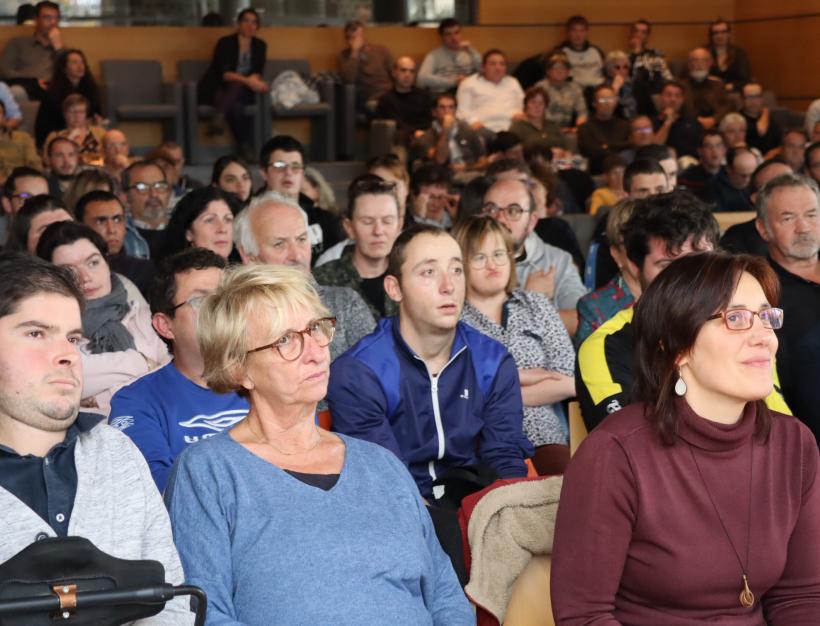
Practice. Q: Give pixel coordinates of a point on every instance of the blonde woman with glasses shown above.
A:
(278, 520)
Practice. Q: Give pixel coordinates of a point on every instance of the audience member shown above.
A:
(612, 190)
(762, 130)
(619, 292)
(617, 74)
(706, 97)
(641, 134)
(372, 225)
(71, 77)
(29, 61)
(665, 155)
(171, 159)
(585, 60)
(282, 165)
(673, 125)
(147, 193)
(103, 212)
(789, 221)
(316, 187)
(566, 105)
(744, 237)
(733, 128)
(12, 115)
(432, 202)
(812, 116)
(533, 125)
(230, 173)
(648, 68)
(449, 140)
(365, 65)
(529, 327)
(731, 65)
(17, 148)
(116, 156)
(63, 473)
(660, 229)
(119, 343)
(815, 133)
(91, 179)
(488, 100)
(165, 411)
(729, 190)
(603, 134)
(432, 390)
(78, 128)
(23, 183)
(646, 177)
(409, 106)
(539, 266)
(62, 164)
(273, 230)
(37, 214)
(793, 149)
(235, 75)
(203, 218)
(390, 168)
(328, 497)
(698, 178)
(445, 67)
(701, 510)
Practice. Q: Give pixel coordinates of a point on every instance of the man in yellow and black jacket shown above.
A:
(660, 229)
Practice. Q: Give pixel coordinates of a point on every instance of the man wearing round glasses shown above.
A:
(539, 266)
(147, 193)
(172, 407)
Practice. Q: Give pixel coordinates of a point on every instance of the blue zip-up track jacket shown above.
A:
(470, 413)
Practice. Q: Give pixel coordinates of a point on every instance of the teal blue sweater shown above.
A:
(269, 549)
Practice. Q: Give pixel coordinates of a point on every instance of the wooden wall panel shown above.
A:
(557, 11)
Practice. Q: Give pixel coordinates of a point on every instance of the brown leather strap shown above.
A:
(67, 595)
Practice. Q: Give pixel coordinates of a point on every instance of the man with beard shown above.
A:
(63, 472)
(63, 162)
(539, 266)
(147, 192)
(788, 209)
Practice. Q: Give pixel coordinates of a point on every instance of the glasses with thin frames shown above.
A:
(742, 319)
(160, 185)
(281, 166)
(195, 303)
(498, 257)
(291, 345)
(512, 211)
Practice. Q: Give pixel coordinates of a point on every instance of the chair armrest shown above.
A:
(326, 89)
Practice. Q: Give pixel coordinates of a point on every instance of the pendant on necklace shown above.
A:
(747, 598)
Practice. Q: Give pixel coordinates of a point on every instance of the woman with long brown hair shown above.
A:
(696, 504)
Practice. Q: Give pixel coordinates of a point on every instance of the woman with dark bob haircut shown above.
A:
(203, 218)
(697, 504)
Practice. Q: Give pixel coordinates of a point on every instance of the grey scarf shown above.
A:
(102, 321)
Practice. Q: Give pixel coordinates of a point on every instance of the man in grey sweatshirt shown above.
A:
(64, 472)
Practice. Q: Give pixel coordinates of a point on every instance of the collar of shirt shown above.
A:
(84, 423)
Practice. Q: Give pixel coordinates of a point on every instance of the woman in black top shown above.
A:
(235, 75)
(71, 75)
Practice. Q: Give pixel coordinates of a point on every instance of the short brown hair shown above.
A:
(471, 232)
(397, 255)
(669, 317)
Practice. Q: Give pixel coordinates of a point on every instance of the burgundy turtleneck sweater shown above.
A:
(638, 542)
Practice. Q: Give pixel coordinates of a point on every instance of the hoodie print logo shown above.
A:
(216, 422)
(465, 395)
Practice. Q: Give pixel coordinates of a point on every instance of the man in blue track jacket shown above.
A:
(436, 392)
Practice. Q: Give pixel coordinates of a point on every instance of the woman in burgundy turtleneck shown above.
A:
(697, 504)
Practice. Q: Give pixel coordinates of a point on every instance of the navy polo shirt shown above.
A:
(47, 485)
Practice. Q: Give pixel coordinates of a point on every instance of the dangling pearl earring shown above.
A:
(680, 386)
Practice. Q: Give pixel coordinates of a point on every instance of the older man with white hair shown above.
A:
(788, 219)
(273, 229)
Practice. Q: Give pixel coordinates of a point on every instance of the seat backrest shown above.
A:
(577, 428)
(274, 67)
(583, 225)
(191, 70)
(134, 82)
